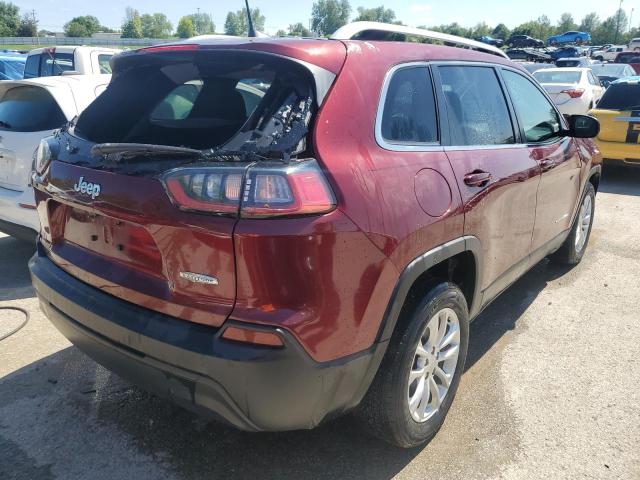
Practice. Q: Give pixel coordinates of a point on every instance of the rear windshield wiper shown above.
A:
(143, 149)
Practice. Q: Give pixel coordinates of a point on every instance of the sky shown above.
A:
(53, 14)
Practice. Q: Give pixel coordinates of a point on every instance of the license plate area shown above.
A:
(120, 240)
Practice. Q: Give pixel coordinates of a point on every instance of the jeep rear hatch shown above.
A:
(144, 191)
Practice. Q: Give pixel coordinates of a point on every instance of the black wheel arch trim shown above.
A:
(420, 265)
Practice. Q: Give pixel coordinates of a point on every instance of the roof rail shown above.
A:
(351, 30)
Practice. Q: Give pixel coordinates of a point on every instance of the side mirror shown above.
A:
(582, 126)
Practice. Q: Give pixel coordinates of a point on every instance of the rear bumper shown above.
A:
(15, 220)
(252, 388)
(627, 152)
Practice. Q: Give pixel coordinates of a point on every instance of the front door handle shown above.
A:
(477, 178)
(547, 164)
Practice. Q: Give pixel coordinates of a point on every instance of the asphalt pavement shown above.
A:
(551, 389)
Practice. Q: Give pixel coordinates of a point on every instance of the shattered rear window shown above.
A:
(204, 100)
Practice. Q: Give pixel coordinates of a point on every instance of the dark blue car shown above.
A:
(566, 52)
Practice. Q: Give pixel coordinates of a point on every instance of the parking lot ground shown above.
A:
(551, 389)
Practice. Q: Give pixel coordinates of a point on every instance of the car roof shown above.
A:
(63, 80)
(570, 69)
(72, 48)
(329, 54)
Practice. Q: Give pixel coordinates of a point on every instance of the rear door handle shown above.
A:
(477, 178)
(547, 164)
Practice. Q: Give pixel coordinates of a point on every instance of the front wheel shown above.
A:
(414, 388)
(573, 248)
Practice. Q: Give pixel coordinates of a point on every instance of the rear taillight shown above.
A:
(262, 190)
(574, 92)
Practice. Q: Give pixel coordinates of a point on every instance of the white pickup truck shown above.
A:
(68, 60)
(609, 54)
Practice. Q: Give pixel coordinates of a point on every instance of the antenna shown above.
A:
(252, 31)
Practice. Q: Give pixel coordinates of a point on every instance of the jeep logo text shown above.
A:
(91, 189)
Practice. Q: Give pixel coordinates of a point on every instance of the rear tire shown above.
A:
(390, 410)
(573, 248)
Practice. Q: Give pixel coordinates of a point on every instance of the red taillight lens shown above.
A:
(263, 190)
(574, 93)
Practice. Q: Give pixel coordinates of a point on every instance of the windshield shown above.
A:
(205, 100)
(555, 76)
(621, 96)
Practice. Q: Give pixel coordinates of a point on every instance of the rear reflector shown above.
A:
(256, 337)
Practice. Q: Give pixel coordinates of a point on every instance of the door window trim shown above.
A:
(512, 114)
(407, 146)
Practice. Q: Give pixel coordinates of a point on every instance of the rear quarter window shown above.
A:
(103, 63)
(29, 109)
(409, 112)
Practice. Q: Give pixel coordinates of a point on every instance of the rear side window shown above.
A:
(29, 109)
(621, 96)
(538, 117)
(103, 63)
(31, 66)
(476, 106)
(409, 113)
(205, 100)
(631, 57)
(52, 64)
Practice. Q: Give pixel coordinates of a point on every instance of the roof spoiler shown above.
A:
(355, 29)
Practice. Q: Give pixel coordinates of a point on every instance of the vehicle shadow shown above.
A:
(15, 282)
(92, 406)
(620, 179)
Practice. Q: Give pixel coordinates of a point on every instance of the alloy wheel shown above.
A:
(584, 222)
(434, 364)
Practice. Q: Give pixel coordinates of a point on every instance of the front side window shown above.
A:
(409, 112)
(476, 106)
(539, 118)
(29, 109)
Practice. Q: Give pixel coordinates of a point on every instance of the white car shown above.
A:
(574, 90)
(634, 44)
(609, 54)
(29, 111)
(68, 60)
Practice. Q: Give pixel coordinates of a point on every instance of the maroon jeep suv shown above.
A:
(277, 231)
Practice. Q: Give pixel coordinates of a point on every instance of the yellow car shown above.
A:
(619, 114)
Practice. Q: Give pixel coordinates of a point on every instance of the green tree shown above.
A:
(236, 22)
(377, 14)
(9, 19)
(501, 31)
(329, 15)
(566, 23)
(156, 25)
(203, 23)
(281, 33)
(589, 23)
(185, 27)
(83, 26)
(28, 26)
(526, 28)
(543, 28)
(299, 30)
(132, 26)
(480, 30)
